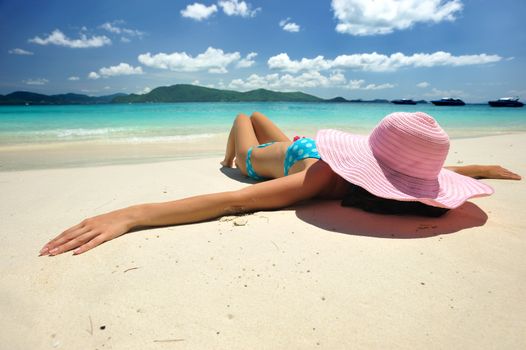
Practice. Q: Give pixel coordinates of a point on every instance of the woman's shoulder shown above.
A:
(336, 186)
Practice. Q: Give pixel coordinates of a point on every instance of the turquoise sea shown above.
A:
(189, 127)
(166, 122)
(151, 123)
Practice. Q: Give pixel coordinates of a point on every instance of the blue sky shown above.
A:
(422, 49)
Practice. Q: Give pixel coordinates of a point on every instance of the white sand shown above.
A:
(317, 276)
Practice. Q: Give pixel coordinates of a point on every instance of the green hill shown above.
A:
(192, 93)
(338, 99)
(171, 94)
(23, 97)
(26, 97)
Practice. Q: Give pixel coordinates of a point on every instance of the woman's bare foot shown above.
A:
(228, 163)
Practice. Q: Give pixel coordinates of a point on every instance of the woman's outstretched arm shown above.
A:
(273, 194)
(485, 172)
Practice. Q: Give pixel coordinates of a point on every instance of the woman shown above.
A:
(399, 163)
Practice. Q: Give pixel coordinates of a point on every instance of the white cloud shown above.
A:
(198, 11)
(145, 90)
(377, 62)
(39, 81)
(21, 52)
(310, 79)
(360, 85)
(379, 86)
(213, 60)
(116, 28)
(248, 61)
(73, 78)
(110, 28)
(218, 70)
(285, 82)
(283, 62)
(93, 75)
(113, 27)
(58, 38)
(237, 8)
(355, 84)
(121, 69)
(365, 17)
(423, 84)
(441, 58)
(289, 26)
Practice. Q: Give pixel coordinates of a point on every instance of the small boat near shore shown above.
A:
(448, 101)
(506, 102)
(404, 101)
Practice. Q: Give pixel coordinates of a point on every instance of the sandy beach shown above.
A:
(314, 276)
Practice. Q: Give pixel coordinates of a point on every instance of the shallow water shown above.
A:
(50, 136)
(157, 123)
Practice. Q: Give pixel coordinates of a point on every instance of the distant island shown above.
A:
(193, 93)
(171, 94)
(31, 98)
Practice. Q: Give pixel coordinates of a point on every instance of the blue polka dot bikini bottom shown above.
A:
(298, 150)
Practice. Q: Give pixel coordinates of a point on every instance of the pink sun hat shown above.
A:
(402, 159)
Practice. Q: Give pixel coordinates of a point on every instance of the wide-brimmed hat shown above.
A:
(402, 159)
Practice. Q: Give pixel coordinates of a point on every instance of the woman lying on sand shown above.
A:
(398, 169)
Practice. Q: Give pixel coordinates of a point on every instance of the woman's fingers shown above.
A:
(503, 173)
(64, 237)
(74, 243)
(511, 175)
(89, 245)
(61, 236)
(89, 233)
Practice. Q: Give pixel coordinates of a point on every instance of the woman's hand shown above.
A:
(498, 172)
(90, 233)
(485, 172)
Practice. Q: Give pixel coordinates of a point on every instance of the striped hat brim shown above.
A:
(351, 157)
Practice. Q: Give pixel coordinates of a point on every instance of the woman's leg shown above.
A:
(230, 152)
(241, 138)
(263, 129)
(266, 130)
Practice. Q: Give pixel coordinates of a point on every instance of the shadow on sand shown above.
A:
(235, 174)
(331, 216)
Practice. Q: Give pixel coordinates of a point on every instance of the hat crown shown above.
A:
(412, 144)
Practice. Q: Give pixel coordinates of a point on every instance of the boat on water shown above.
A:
(404, 101)
(506, 102)
(448, 101)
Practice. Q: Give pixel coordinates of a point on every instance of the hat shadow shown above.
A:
(331, 216)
